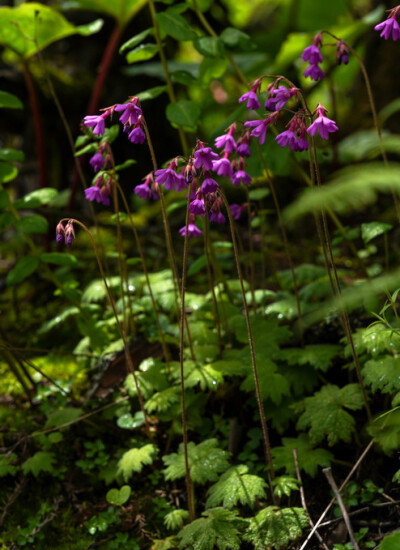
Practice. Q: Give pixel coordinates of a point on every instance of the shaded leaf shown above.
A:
(234, 486)
(23, 268)
(184, 113)
(175, 25)
(373, 229)
(8, 172)
(310, 459)
(40, 462)
(276, 527)
(217, 529)
(62, 416)
(59, 258)
(32, 224)
(121, 10)
(10, 101)
(36, 198)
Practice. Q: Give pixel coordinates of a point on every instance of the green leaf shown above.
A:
(129, 422)
(202, 5)
(36, 198)
(184, 113)
(118, 497)
(162, 401)
(236, 39)
(12, 155)
(4, 199)
(62, 416)
(391, 542)
(258, 194)
(135, 40)
(276, 527)
(235, 486)
(386, 431)
(175, 25)
(325, 414)
(10, 101)
(284, 485)
(40, 462)
(320, 356)
(310, 459)
(94, 292)
(375, 340)
(183, 77)
(32, 224)
(373, 229)
(23, 268)
(142, 53)
(134, 460)
(206, 462)
(121, 10)
(151, 93)
(30, 27)
(273, 384)
(8, 172)
(175, 520)
(6, 467)
(217, 529)
(383, 374)
(209, 46)
(211, 69)
(59, 258)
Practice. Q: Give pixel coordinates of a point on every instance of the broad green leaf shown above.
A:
(184, 113)
(142, 53)
(36, 198)
(183, 77)
(40, 462)
(236, 39)
(211, 69)
(209, 46)
(175, 25)
(56, 321)
(310, 459)
(373, 229)
(122, 10)
(386, 431)
(59, 258)
(218, 529)
(32, 224)
(284, 485)
(383, 373)
(12, 155)
(8, 172)
(258, 194)
(135, 40)
(23, 268)
(389, 110)
(273, 384)
(10, 101)
(30, 27)
(118, 497)
(319, 356)
(151, 93)
(391, 542)
(162, 401)
(206, 462)
(129, 422)
(62, 416)
(234, 486)
(134, 460)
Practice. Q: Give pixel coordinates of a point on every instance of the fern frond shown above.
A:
(218, 528)
(235, 486)
(134, 460)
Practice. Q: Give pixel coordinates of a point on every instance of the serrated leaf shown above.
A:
(59, 258)
(320, 356)
(118, 497)
(284, 485)
(373, 229)
(8, 171)
(276, 527)
(135, 40)
(325, 413)
(134, 460)
(175, 25)
(10, 101)
(217, 529)
(142, 53)
(36, 198)
(310, 459)
(234, 486)
(386, 431)
(32, 224)
(175, 520)
(184, 113)
(40, 462)
(162, 401)
(383, 374)
(94, 292)
(6, 466)
(23, 268)
(11, 155)
(205, 376)
(62, 416)
(273, 384)
(375, 340)
(206, 462)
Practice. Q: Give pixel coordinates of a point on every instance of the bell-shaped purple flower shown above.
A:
(314, 72)
(209, 186)
(222, 167)
(97, 162)
(191, 230)
(130, 112)
(312, 54)
(322, 125)
(97, 122)
(390, 28)
(236, 211)
(241, 176)
(217, 217)
(137, 135)
(197, 207)
(204, 157)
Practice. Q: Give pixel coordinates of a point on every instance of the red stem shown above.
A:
(37, 123)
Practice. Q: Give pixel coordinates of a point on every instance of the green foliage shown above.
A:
(134, 460)
(310, 459)
(206, 462)
(6, 466)
(175, 520)
(385, 430)
(9, 101)
(121, 10)
(218, 528)
(118, 497)
(63, 416)
(276, 527)
(391, 542)
(41, 461)
(320, 356)
(183, 113)
(284, 485)
(236, 486)
(22, 270)
(383, 374)
(325, 414)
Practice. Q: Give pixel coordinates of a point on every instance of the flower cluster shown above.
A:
(101, 191)
(390, 28)
(312, 54)
(65, 234)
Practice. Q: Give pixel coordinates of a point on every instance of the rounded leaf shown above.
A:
(118, 497)
(23, 268)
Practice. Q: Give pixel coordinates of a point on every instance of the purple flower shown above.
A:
(69, 233)
(322, 125)
(60, 232)
(389, 28)
(170, 178)
(342, 53)
(227, 141)
(241, 177)
(97, 162)
(252, 100)
(97, 122)
(243, 150)
(217, 217)
(314, 72)
(260, 129)
(301, 144)
(278, 97)
(131, 112)
(143, 191)
(222, 167)
(137, 135)
(236, 211)
(197, 207)
(204, 158)
(209, 186)
(191, 231)
(94, 194)
(312, 54)
(287, 138)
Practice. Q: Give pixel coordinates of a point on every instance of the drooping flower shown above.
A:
(312, 54)
(322, 125)
(227, 141)
(222, 167)
(314, 72)
(97, 122)
(137, 135)
(251, 96)
(60, 232)
(294, 136)
(130, 111)
(243, 147)
(148, 189)
(97, 162)
(241, 176)
(236, 211)
(260, 127)
(209, 185)
(204, 157)
(69, 233)
(191, 230)
(390, 28)
(278, 97)
(217, 217)
(197, 206)
(169, 178)
(342, 53)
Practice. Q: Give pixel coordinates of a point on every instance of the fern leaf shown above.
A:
(383, 374)
(310, 459)
(276, 527)
(325, 415)
(217, 529)
(40, 462)
(174, 520)
(235, 486)
(134, 460)
(206, 462)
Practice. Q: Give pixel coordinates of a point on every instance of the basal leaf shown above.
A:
(391, 542)
(373, 229)
(6, 466)
(383, 374)
(176, 519)
(118, 497)
(59, 258)
(319, 356)
(310, 459)
(63, 416)
(236, 486)
(36, 198)
(32, 224)
(217, 529)
(386, 431)
(8, 171)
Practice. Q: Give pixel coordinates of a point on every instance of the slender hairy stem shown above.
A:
(251, 249)
(263, 420)
(189, 485)
(211, 282)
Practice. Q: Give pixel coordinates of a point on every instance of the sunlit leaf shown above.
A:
(133, 460)
(8, 172)
(36, 198)
(142, 53)
(121, 10)
(118, 497)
